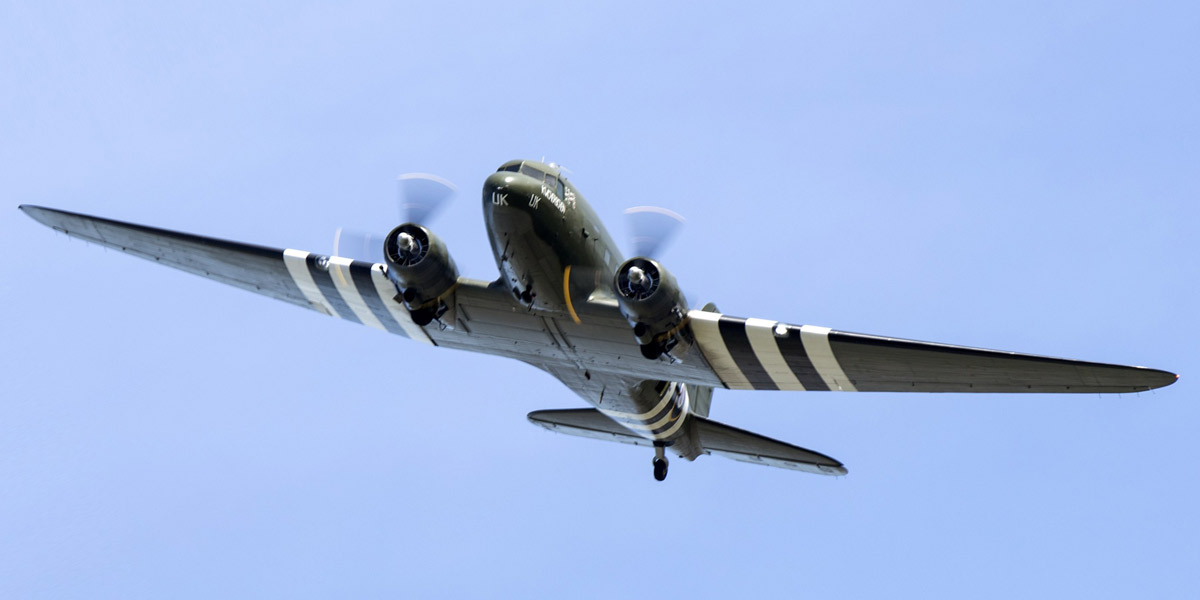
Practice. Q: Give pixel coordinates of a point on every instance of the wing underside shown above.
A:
(736, 353)
(353, 290)
(767, 355)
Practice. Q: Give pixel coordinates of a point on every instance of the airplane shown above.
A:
(618, 332)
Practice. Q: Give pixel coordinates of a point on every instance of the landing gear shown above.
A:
(422, 316)
(660, 463)
(660, 468)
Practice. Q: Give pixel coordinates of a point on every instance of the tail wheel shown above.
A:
(660, 468)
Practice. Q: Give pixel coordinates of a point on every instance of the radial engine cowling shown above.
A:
(421, 267)
(653, 305)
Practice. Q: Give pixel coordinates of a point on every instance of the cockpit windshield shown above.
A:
(532, 172)
(550, 180)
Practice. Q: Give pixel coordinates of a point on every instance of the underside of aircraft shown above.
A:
(617, 332)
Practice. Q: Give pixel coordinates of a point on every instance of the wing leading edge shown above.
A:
(756, 354)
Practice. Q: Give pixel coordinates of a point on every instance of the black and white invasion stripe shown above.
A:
(756, 354)
(661, 422)
(354, 290)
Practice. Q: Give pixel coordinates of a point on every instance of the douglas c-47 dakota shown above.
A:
(618, 332)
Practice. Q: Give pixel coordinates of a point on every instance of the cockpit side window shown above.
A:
(551, 180)
(512, 168)
(561, 192)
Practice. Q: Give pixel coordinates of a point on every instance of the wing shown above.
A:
(353, 290)
(484, 318)
(734, 353)
(767, 355)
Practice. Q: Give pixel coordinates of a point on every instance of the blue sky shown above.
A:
(1018, 176)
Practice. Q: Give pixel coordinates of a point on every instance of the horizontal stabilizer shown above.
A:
(715, 438)
(586, 422)
(740, 445)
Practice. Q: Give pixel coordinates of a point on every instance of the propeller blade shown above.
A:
(358, 245)
(422, 196)
(651, 226)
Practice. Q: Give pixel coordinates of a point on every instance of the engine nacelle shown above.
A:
(653, 304)
(422, 270)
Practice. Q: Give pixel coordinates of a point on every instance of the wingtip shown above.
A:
(1160, 379)
(1170, 378)
(41, 214)
(32, 209)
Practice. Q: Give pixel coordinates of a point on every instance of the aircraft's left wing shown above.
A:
(353, 290)
(757, 354)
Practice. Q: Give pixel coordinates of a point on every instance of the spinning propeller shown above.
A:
(651, 227)
(421, 197)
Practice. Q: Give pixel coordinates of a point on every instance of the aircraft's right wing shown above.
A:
(353, 290)
(767, 355)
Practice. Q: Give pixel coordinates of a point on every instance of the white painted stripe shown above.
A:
(712, 345)
(647, 432)
(387, 293)
(762, 338)
(640, 417)
(683, 416)
(816, 344)
(344, 282)
(297, 266)
(644, 429)
(651, 426)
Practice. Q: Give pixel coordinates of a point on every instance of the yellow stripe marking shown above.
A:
(567, 294)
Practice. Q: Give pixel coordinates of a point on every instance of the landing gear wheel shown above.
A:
(422, 316)
(660, 463)
(660, 468)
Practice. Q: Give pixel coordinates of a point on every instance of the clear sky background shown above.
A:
(1019, 176)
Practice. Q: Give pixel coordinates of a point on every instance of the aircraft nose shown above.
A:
(506, 190)
(499, 189)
